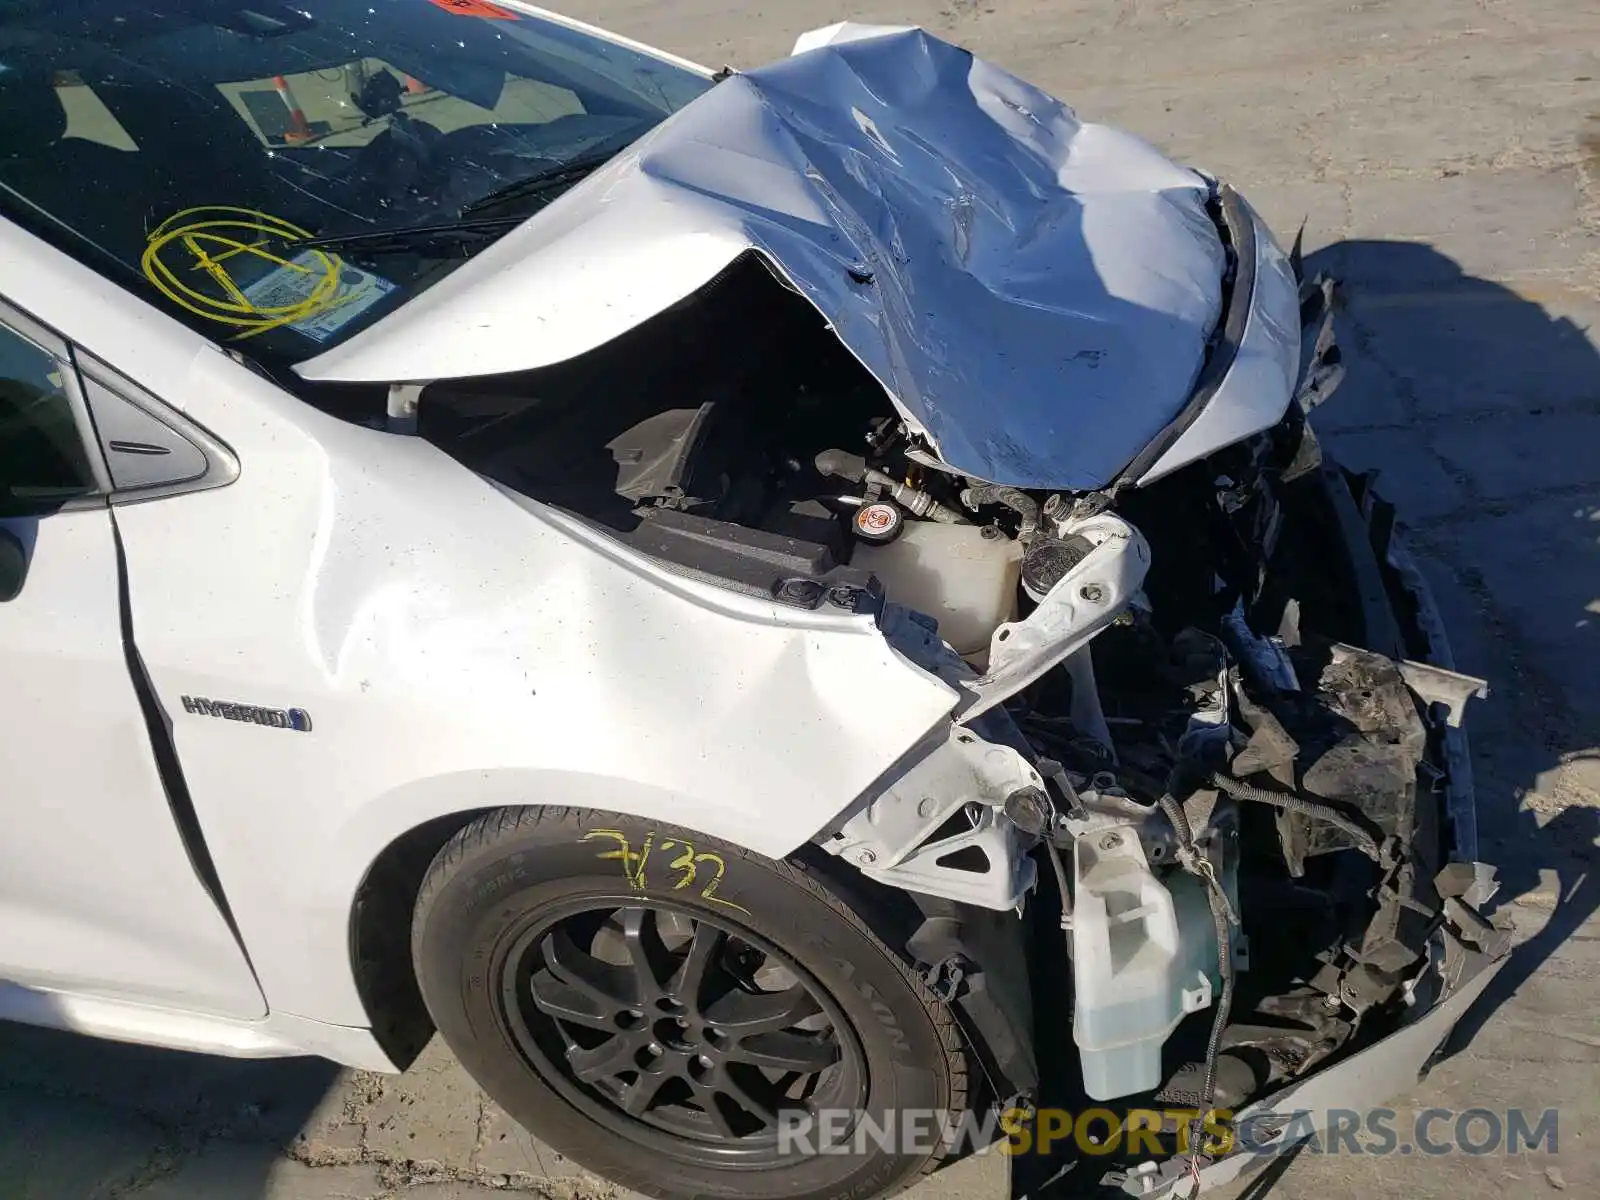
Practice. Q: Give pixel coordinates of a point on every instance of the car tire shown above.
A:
(673, 1012)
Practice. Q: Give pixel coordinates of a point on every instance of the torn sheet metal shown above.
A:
(1269, 1127)
(1034, 292)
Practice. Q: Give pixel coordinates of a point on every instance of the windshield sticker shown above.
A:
(236, 266)
(475, 8)
(295, 283)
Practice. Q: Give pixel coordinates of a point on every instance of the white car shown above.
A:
(687, 584)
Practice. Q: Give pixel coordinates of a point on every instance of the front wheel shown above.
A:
(681, 1016)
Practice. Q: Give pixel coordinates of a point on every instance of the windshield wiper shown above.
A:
(461, 237)
(544, 182)
(445, 239)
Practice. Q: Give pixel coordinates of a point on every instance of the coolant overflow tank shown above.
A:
(1144, 955)
(963, 576)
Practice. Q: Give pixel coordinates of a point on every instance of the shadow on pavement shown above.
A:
(83, 1119)
(1498, 372)
(1577, 899)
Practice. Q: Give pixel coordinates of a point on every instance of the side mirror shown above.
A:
(13, 566)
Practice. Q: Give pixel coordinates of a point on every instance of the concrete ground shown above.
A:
(1445, 156)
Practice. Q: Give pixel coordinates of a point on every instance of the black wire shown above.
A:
(1219, 1019)
(1189, 856)
(1292, 802)
(1169, 805)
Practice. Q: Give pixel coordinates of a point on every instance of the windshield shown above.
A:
(184, 152)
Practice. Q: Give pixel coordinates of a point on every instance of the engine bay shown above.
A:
(734, 437)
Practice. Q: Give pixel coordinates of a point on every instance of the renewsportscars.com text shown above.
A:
(1375, 1131)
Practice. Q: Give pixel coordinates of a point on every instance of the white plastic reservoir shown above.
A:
(953, 573)
(1144, 955)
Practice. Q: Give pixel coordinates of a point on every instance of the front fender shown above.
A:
(457, 647)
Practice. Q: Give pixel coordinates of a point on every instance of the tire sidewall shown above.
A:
(467, 913)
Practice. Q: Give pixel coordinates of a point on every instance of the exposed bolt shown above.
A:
(1330, 1002)
(1111, 841)
(865, 858)
(1053, 504)
(988, 533)
(842, 596)
(926, 805)
(1092, 592)
(800, 590)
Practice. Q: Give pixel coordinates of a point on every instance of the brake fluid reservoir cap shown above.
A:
(879, 522)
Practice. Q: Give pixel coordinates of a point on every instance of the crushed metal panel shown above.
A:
(1260, 381)
(1374, 1074)
(967, 237)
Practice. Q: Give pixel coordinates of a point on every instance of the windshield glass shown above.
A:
(184, 152)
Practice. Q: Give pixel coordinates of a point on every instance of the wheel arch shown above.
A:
(379, 916)
(380, 936)
(364, 880)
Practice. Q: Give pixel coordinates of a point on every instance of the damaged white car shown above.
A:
(733, 597)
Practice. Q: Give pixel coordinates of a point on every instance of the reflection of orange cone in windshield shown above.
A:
(299, 128)
(476, 8)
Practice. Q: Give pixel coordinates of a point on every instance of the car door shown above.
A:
(105, 886)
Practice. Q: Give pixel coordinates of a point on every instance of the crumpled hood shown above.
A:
(1034, 293)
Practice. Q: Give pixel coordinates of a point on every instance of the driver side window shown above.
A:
(42, 457)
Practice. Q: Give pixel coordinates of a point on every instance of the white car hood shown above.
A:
(1034, 293)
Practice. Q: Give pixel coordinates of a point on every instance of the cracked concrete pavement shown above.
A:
(1445, 157)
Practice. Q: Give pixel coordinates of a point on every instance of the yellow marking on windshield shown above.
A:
(200, 241)
(214, 268)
